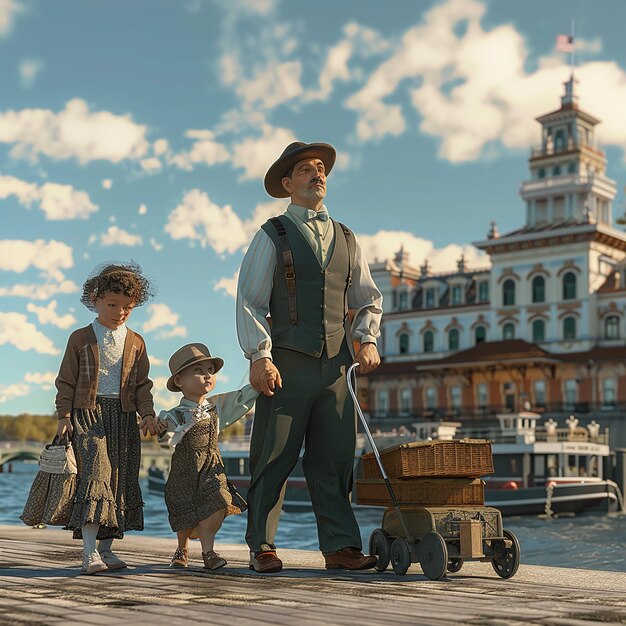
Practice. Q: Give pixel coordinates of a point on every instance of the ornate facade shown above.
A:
(543, 327)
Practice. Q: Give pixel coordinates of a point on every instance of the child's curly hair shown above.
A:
(123, 278)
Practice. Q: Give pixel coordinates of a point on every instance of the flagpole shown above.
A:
(573, 57)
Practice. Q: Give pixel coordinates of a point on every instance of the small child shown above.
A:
(101, 387)
(197, 493)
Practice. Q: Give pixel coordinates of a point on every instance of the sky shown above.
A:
(142, 130)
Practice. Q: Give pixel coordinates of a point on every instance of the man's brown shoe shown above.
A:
(349, 558)
(265, 562)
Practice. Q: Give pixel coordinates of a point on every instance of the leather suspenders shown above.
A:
(290, 275)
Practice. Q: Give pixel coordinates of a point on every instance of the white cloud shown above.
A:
(199, 218)
(44, 379)
(151, 164)
(9, 10)
(16, 330)
(255, 155)
(155, 360)
(74, 132)
(229, 285)
(39, 292)
(116, 236)
(205, 149)
(163, 319)
(142, 210)
(28, 70)
(48, 315)
(385, 244)
(155, 244)
(440, 64)
(48, 256)
(8, 392)
(107, 183)
(160, 147)
(58, 202)
(274, 84)
(163, 399)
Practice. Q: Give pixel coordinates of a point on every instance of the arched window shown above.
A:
(480, 334)
(429, 341)
(403, 304)
(404, 343)
(569, 286)
(453, 339)
(569, 328)
(539, 331)
(508, 331)
(611, 327)
(508, 292)
(539, 289)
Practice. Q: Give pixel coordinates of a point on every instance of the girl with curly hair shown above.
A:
(102, 387)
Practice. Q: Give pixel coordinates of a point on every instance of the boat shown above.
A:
(538, 470)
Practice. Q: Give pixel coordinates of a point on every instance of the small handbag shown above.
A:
(52, 493)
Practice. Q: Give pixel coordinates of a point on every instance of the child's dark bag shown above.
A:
(52, 494)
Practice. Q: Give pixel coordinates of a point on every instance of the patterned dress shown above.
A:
(197, 485)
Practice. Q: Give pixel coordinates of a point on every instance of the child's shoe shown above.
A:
(112, 561)
(92, 564)
(180, 558)
(213, 561)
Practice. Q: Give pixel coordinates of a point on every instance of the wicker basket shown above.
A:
(465, 458)
(437, 491)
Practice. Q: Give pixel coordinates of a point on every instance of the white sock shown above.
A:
(90, 533)
(105, 545)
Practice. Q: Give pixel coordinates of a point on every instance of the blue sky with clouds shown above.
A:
(143, 129)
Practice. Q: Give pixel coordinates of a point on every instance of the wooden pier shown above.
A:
(40, 585)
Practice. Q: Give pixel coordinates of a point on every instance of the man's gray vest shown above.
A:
(320, 294)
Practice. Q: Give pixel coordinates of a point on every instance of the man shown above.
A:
(306, 272)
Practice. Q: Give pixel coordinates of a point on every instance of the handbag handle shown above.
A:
(63, 441)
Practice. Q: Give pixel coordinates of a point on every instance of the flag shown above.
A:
(565, 43)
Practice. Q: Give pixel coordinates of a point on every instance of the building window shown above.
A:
(429, 341)
(539, 387)
(482, 395)
(403, 302)
(456, 294)
(508, 292)
(431, 398)
(453, 339)
(556, 170)
(382, 401)
(611, 327)
(455, 396)
(559, 140)
(541, 172)
(405, 401)
(539, 331)
(609, 386)
(508, 331)
(483, 291)
(571, 393)
(571, 168)
(480, 334)
(569, 286)
(569, 328)
(430, 297)
(539, 289)
(403, 340)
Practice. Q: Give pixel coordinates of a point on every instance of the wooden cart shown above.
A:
(439, 537)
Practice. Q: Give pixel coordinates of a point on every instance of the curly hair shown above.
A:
(123, 278)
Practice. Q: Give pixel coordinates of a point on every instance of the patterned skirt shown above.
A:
(107, 445)
(197, 485)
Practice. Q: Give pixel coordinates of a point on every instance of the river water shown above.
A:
(590, 541)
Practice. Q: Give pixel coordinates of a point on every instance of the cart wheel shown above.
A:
(379, 547)
(506, 561)
(433, 555)
(400, 556)
(454, 565)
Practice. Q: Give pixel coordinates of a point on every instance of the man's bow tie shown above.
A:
(318, 215)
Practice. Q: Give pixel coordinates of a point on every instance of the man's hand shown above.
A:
(367, 358)
(65, 426)
(265, 377)
(149, 424)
